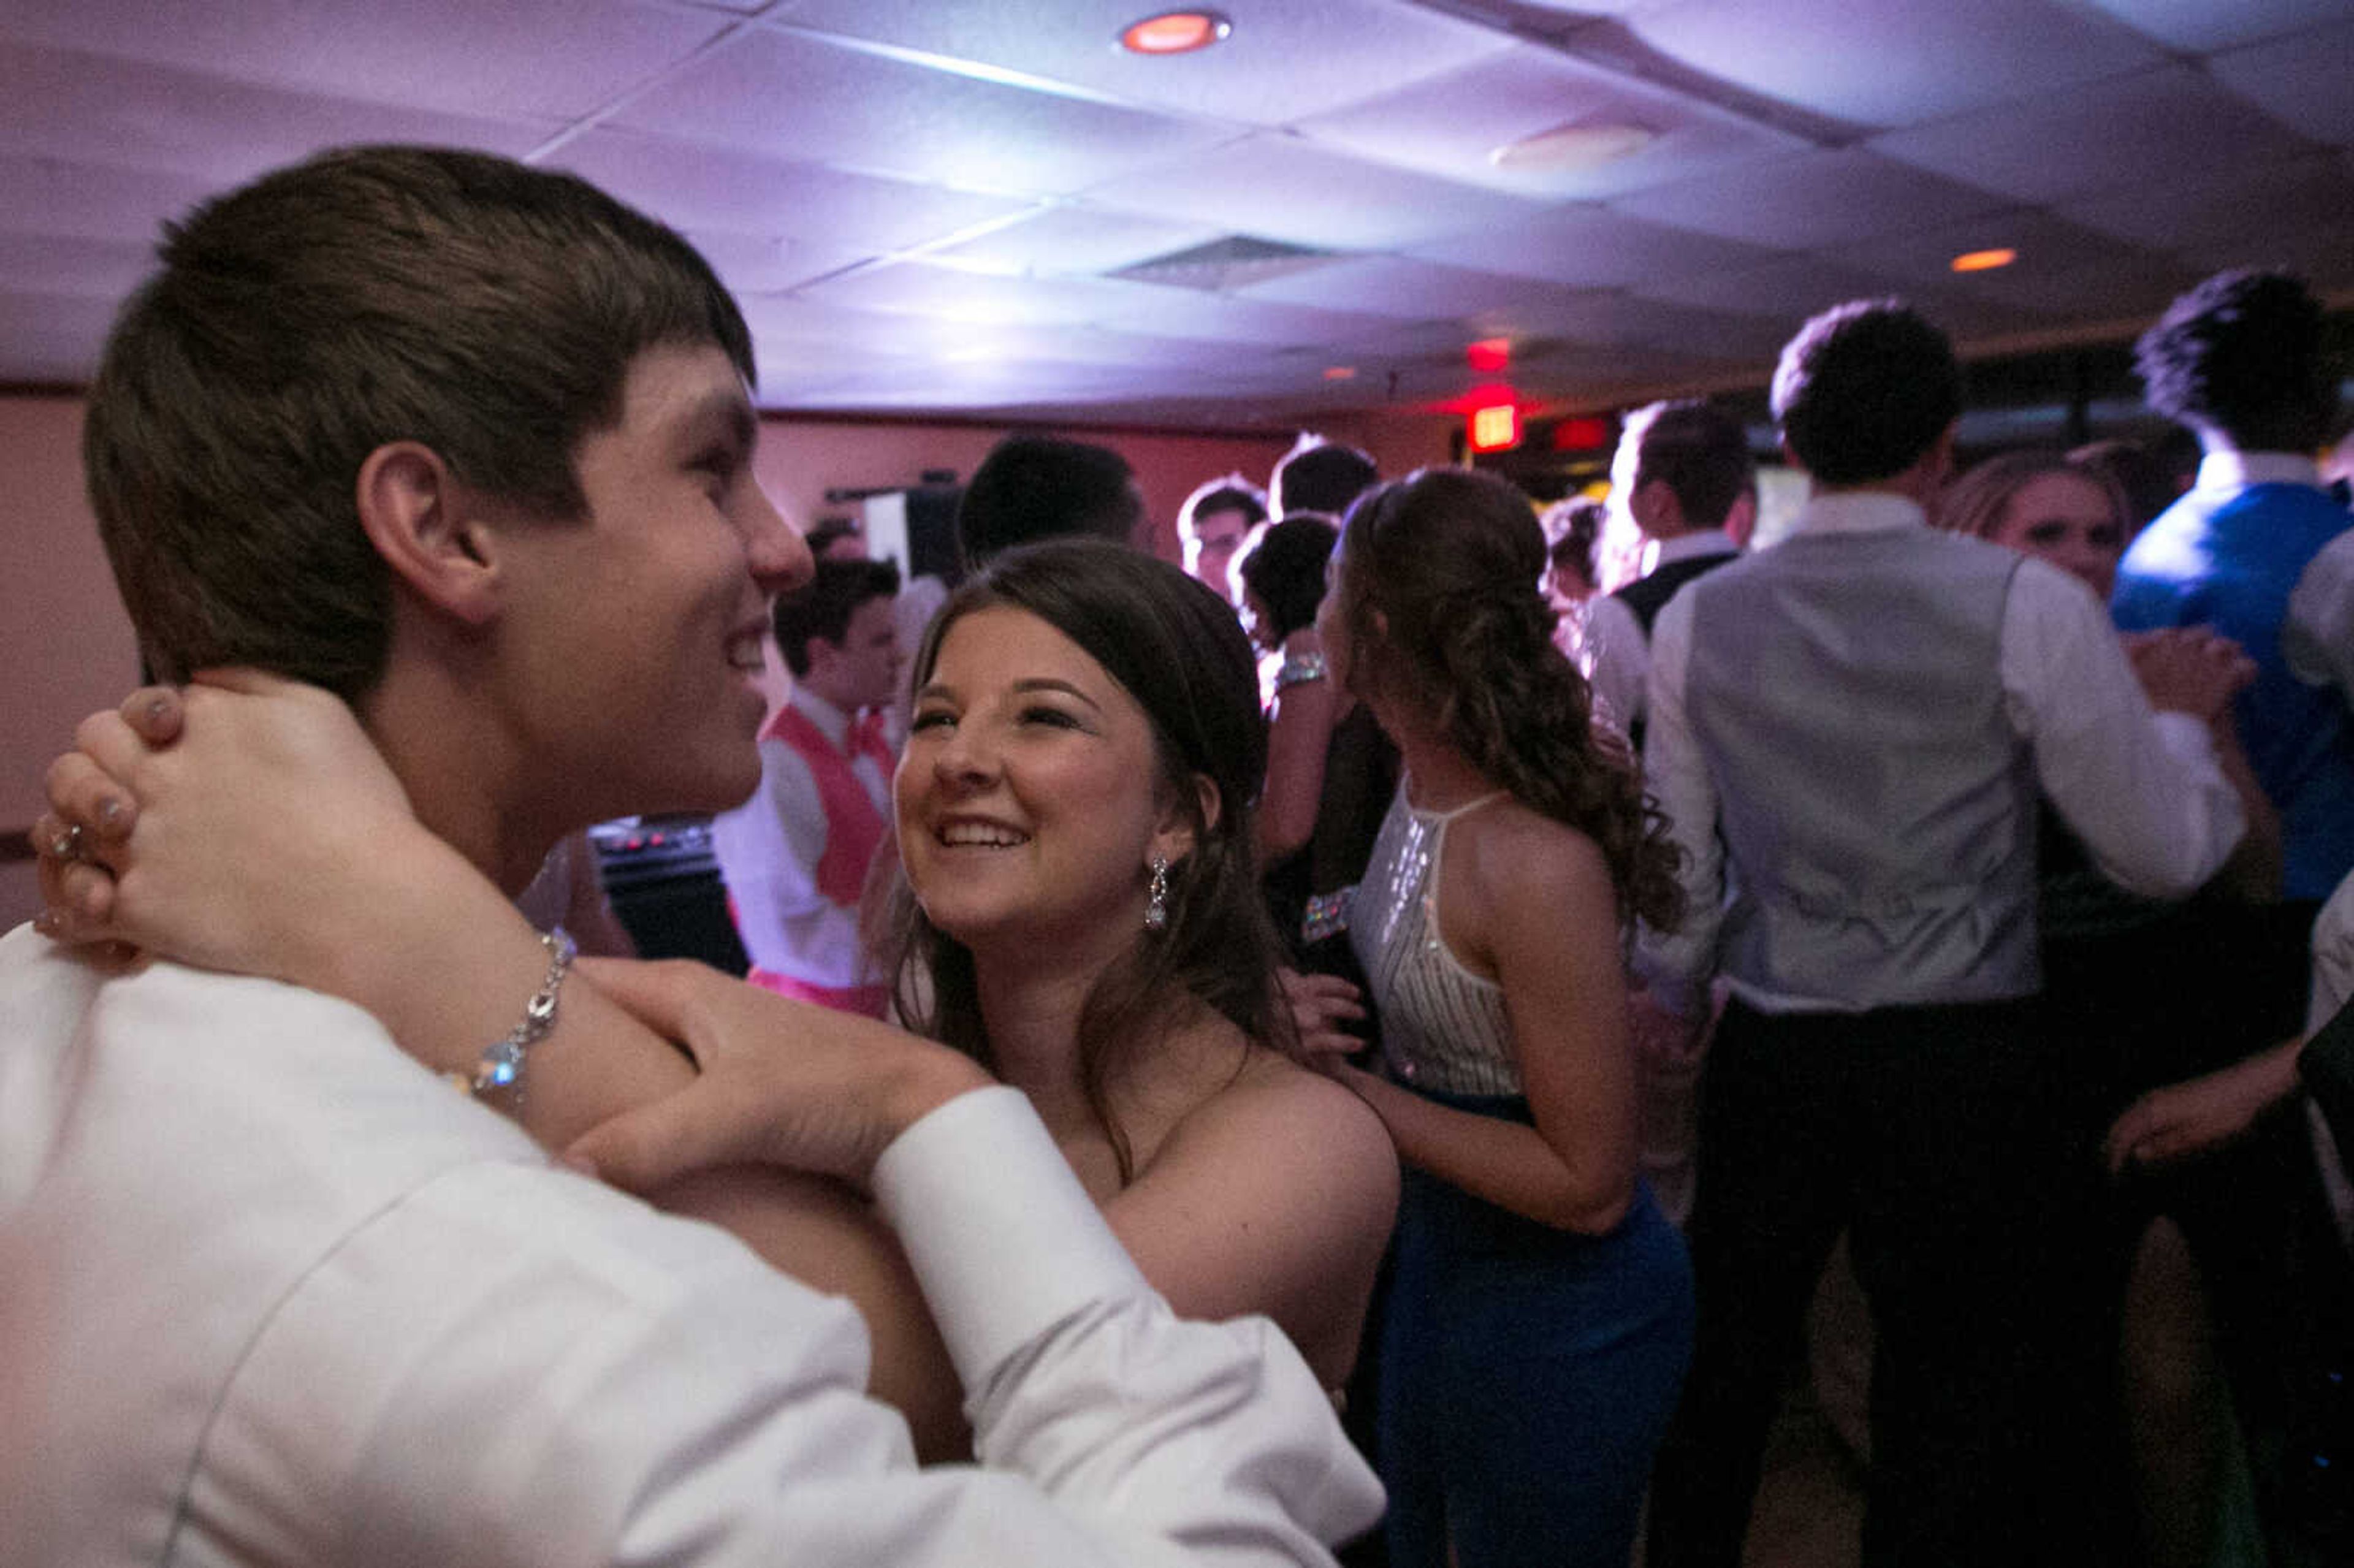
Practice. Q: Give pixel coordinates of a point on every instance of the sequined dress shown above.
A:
(1526, 1374)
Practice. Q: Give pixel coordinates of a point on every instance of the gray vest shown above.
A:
(1876, 804)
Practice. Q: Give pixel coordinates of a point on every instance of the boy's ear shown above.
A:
(429, 527)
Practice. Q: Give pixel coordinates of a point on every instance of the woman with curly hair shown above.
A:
(1541, 1312)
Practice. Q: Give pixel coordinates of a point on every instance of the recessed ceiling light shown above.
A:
(1174, 33)
(1983, 261)
(1574, 147)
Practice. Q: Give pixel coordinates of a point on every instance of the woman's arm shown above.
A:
(1297, 736)
(270, 839)
(2202, 1113)
(1532, 902)
(1276, 1197)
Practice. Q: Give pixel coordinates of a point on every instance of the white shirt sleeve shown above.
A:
(1621, 659)
(2143, 790)
(1676, 966)
(2318, 634)
(516, 1366)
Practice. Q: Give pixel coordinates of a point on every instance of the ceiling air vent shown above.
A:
(1227, 263)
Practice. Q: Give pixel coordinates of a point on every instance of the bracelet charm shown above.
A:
(1298, 667)
(499, 1072)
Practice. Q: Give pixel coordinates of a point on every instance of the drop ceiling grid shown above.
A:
(805, 165)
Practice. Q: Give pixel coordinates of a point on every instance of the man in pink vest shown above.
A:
(795, 855)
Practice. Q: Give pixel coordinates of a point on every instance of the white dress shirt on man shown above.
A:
(272, 1293)
(1616, 645)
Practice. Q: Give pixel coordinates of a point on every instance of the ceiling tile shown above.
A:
(1410, 290)
(1591, 247)
(1333, 320)
(1279, 187)
(2322, 253)
(86, 109)
(769, 264)
(1897, 62)
(1285, 60)
(2061, 267)
(2203, 25)
(534, 58)
(2115, 133)
(2305, 81)
(1619, 320)
(789, 95)
(707, 188)
(1079, 240)
(2045, 245)
(921, 288)
(1792, 287)
(1450, 125)
(104, 270)
(1814, 200)
(2167, 213)
(85, 201)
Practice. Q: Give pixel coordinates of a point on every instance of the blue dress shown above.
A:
(1527, 1372)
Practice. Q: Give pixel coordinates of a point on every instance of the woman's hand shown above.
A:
(781, 1083)
(1321, 1005)
(2201, 1114)
(2189, 670)
(241, 825)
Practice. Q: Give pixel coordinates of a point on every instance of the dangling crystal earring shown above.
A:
(1156, 905)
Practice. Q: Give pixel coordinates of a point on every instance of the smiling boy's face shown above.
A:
(631, 637)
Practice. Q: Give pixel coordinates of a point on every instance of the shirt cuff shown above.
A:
(2184, 735)
(999, 1231)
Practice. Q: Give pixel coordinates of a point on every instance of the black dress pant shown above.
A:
(1939, 1139)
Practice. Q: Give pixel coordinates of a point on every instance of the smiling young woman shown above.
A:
(1080, 913)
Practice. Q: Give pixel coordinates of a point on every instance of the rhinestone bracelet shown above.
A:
(1300, 668)
(500, 1070)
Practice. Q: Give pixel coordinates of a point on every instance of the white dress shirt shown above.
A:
(1616, 646)
(2317, 635)
(2333, 987)
(2142, 791)
(768, 850)
(272, 1293)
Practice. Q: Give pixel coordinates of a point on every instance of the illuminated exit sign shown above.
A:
(1496, 428)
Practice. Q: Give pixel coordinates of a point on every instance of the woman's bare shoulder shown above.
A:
(1516, 855)
(1288, 1122)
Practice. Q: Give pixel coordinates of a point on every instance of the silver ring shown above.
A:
(67, 845)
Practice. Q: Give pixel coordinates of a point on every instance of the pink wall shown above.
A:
(801, 457)
(66, 647)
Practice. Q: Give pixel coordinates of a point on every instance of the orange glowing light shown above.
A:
(1489, 353)
(1176, 33)
(1496, 428)
(1983, 261)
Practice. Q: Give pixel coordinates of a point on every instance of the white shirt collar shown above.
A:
(830, 721)
(1857, 512)
(2237, 471)
(1688, 546)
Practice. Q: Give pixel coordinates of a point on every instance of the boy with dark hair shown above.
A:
(1848, 731)
(795, 856)
(469, 444)
(1680, 470)
(2241, 360)
(1321, 476)
(1211, 528)
(1044, 487)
